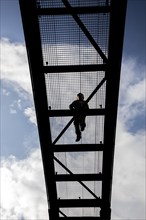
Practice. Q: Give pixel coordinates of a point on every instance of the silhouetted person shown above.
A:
(80, 107)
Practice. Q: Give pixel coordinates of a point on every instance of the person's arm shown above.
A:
(71, 106)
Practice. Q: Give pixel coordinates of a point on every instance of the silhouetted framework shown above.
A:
(76, 46)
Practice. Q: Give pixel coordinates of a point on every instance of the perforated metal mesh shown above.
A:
(62, 88)
(75, 190)
(74, 3)
(64, 43)
(81, 211)
(80, 162)
(93, 133)
(74, 37)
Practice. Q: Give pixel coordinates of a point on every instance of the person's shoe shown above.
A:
(78, 138)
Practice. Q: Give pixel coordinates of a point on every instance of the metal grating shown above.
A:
(81, 212)
(74, 3)
(93, 134)
(65, 41)
(62, 88)
(77, 48)
(90, 162)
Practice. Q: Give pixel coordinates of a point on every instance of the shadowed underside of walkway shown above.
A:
(76, 46)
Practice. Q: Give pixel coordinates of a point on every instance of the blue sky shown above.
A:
(19, 137)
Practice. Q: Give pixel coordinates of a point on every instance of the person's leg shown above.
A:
(77, 130)
(82, 123)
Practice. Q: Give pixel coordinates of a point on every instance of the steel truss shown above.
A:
(31, 11)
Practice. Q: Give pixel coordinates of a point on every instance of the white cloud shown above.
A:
(136, 92)
(128, 198)
(23, 191)
(16, 105)
(14, 65)
(30, 113)
(22, 188)
(15, 72)
(5, 92)
(132, 91)
(67, 54)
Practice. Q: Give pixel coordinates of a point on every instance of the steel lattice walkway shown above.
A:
(76, 46)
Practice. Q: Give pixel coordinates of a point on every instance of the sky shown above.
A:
(23, 195)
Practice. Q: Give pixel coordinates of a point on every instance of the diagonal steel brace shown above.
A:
(86, 187)
(88, 99)
(86, 32)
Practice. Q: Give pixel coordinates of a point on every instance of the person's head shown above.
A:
(80, 96)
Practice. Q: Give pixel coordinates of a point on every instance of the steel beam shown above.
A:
(66, 203)
(78, 177)
(73, 10)
(62, 213)
(81, 218)
(116, 35)
(33, 46)
(88, 99)
(65, 113)
(71, 173)
(74, 68)
(85, 31)
(78, 147)
(117, 12)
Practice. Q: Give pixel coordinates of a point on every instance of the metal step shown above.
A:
(67, 112)
(81, 218)
(78, 177)
(78, 147)
(74, 68)
(76, 10)
(65, 203)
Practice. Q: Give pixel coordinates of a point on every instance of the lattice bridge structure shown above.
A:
(76, 46)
